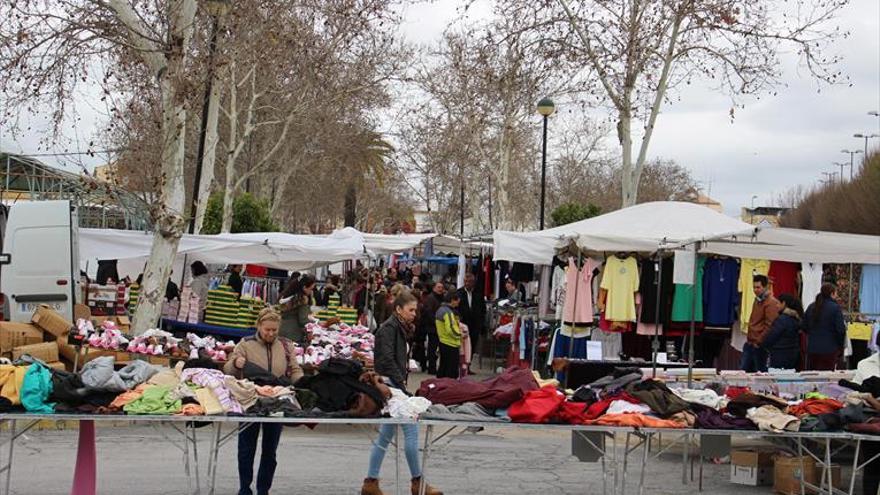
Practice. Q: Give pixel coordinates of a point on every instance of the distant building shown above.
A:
(763, 216)
(708, 202)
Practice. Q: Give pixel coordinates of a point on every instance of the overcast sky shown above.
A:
(773, 144)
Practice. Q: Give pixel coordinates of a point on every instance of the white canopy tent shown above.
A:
(273, 249)
(447, 244)
(381, 244)
(800, 246)
(644, 227)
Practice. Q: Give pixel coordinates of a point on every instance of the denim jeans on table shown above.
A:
(754, 359)
(411, 448)
(247, 451)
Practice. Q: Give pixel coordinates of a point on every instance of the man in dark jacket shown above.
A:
(427, 327)
(783, 340)
(472, 310)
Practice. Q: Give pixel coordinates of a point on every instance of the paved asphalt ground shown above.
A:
(333, 460)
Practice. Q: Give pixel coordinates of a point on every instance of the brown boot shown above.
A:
(429, 490)
(371, 487)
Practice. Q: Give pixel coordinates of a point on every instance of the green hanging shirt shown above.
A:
(682, 301)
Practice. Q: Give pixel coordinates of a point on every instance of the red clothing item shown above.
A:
(814, 407)
(734, 392)
(597, 409)
(538, 406)
(256, 271)
(614, 326)
(497, 392)
(784, 277)
(573, 413)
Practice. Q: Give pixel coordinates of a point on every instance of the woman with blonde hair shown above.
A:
(275, 354)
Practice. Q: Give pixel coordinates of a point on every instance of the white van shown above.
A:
(40, 259)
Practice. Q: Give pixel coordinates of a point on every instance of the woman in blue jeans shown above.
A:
(390, 359)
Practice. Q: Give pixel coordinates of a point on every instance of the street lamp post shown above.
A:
(866, 136)
(546, 109)
(217, 9)
(841, 165)
(851, 153)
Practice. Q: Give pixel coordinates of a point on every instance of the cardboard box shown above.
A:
(751, 467)
(160, 360)
(57, 365)
(68, 352)
(124, 323)
(123, 357)
(14, 335)
(50, 321)
(81, 312)
(45, 351)
(787, 474)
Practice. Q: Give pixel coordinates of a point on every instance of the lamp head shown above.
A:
(546, 107)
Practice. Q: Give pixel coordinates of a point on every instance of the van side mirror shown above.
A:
(5, 258)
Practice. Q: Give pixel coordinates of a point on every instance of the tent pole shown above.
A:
(655, 345)
(693, 316)
(574, 311)
(182, 272)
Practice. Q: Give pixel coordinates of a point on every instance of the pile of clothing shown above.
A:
(626, 398)
(341, 388)
(338, 340)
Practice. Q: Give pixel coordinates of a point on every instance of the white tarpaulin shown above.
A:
(644, 227)
(801, 246)
(380, 244)
(273, 249)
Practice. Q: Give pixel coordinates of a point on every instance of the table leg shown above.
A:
(425, 454)
(186, 466)
(855, 468)
(192, 428)
(685, 453)
(800, 442)
(12, 436)
(215, 454)
(828, 466)
(645, 451)
(604, 471)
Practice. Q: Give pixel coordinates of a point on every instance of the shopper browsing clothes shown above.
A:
(449, 334)
(764, 312)
(274, 354)
(391, 356)
(783, 340)
(826, 331)
(295, 315)
(428, 327)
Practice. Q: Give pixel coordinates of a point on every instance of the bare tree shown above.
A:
(46, 49)
(639, 52)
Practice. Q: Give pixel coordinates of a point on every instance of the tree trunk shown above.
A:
(210, 157)
(228, 200)
(629, 180)
(350, 209)
(168, 213)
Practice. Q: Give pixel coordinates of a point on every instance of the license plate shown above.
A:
(31, 307)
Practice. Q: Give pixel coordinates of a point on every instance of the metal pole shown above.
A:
(543, 174)
(655, 345)
(693, 316)
(851, 154)
(200, 154)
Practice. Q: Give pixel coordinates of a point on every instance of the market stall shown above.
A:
(655, 243)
